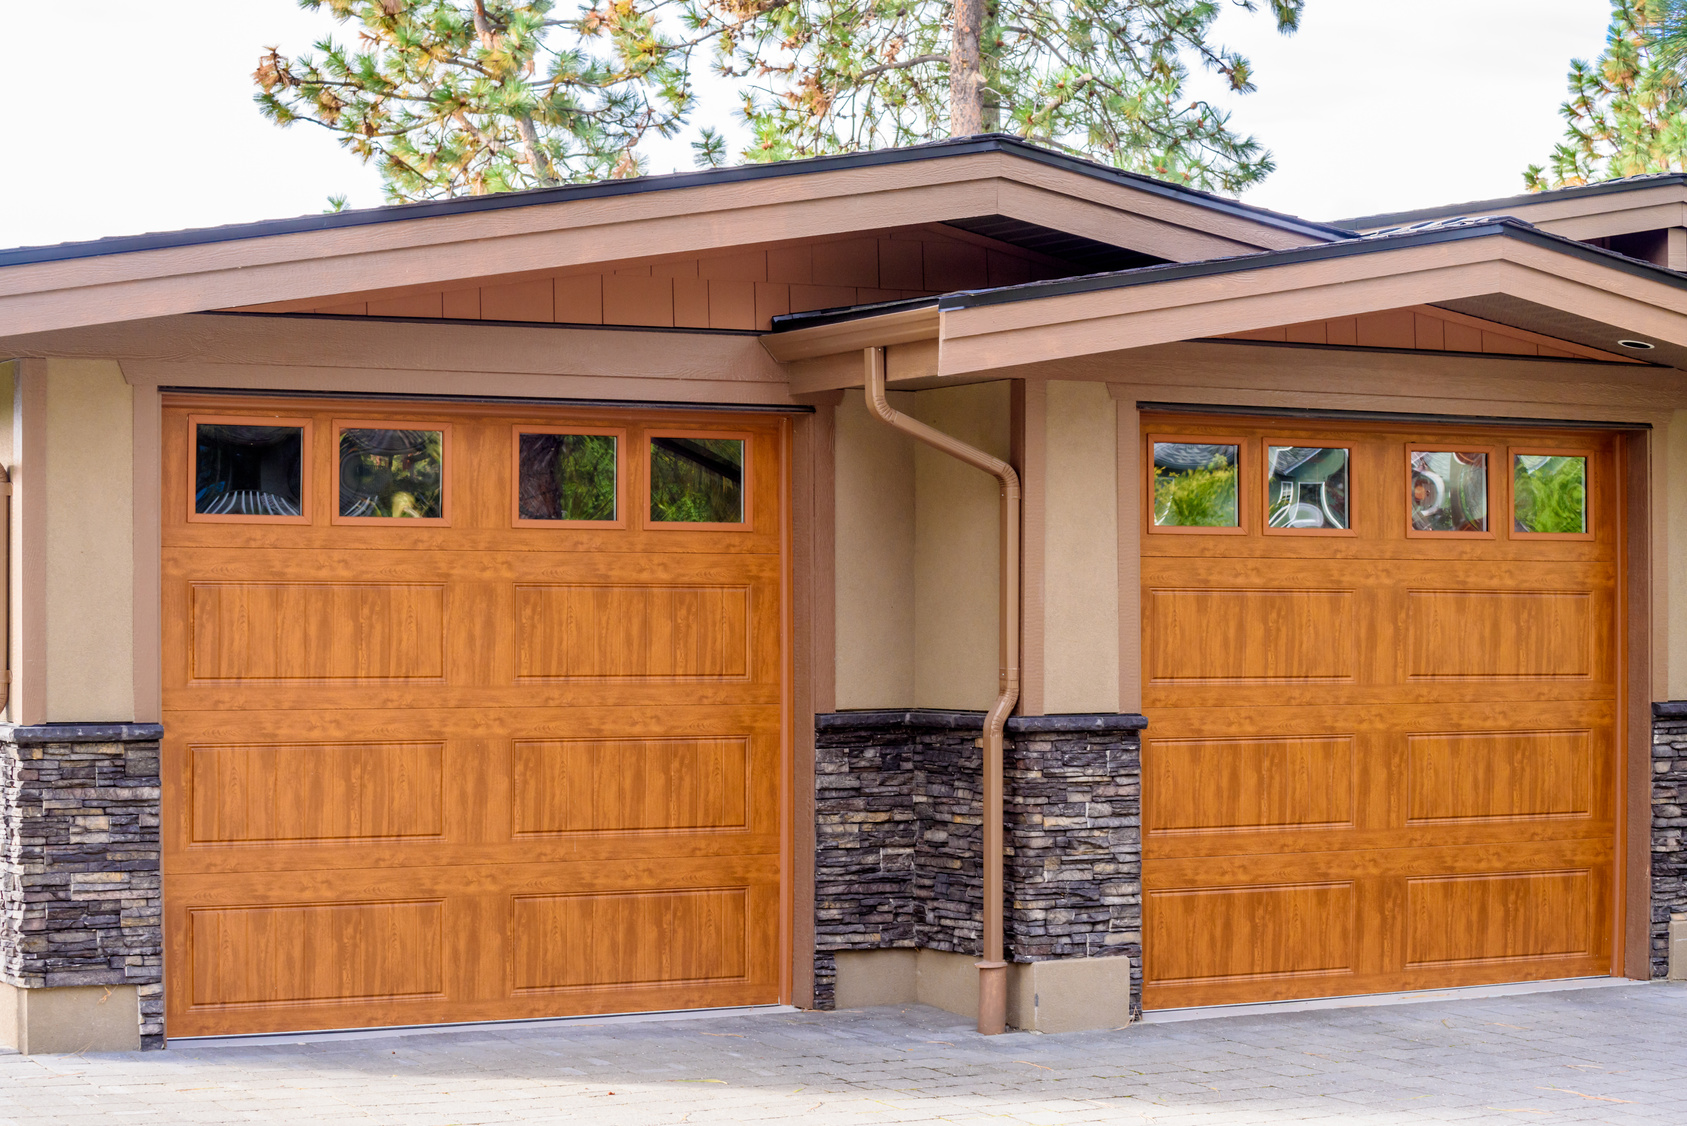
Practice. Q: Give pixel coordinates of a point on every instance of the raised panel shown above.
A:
(630, 785)
(1204, 934)
(651, 632)
(316, 952)
(317, 631)
(1499, 634)
(298, 793)
(637, 938)
(1499, 775)
(1498, 918)
(1250, 636)
(1214, 785)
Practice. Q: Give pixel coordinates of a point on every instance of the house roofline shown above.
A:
(1525, 199)
(533, 197)
(1500, 226)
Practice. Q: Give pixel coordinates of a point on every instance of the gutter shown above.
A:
(992, 970)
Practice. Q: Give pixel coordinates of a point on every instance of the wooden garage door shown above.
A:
(486, 724)
(1383, 712)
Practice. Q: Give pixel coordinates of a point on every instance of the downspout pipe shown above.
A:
(992, 970)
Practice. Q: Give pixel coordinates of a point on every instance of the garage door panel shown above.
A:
(474, 770)
(1429, 721)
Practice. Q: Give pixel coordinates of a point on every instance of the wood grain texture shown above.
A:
(1429, 723)
(475, 771)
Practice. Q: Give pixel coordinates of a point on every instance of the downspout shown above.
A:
(992, 971)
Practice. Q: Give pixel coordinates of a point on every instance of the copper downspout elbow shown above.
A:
(992, 971)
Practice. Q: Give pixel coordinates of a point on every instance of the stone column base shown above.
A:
(1065, 995)
(81, 1018)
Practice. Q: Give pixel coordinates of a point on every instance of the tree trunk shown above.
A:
(966, 70)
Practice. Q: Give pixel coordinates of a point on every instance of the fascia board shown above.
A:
(1187, 308)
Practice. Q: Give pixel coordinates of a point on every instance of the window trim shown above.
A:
(307, 453)
(1449, 447)
(1265, 527)
(1244, 460)
(517, 520)
(648, 523)
(443, 429)
(1588, 456)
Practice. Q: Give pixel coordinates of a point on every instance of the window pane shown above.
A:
(396, 473)
(1449, 491)
(697, 480)
(1307, 487)
(249, 470)
(1549, 493)
(1195, 485)
(567, 477)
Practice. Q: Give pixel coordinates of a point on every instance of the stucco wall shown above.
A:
(874, 475)
(916, 551)
(89, 543)
(1080, 551)
(956, 545)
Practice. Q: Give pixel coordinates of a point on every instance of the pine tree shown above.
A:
(1627, 112)
(455, 96)
(1100, 78)
(449, 97)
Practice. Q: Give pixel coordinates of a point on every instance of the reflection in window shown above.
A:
(1195, 485)
(392, 473)
(248, 470)
(1307, 487)
(567, 477)
(697, 480)
(1549, 493)
(1449, 491)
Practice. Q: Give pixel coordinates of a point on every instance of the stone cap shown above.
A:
(940, 719)
(81, 732)
(1669, 709)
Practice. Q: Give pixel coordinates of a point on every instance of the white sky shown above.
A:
(1373, 106)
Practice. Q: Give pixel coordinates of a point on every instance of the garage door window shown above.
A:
(1449, 492)
(1195, 486)
(1306, 490)
(1548, 493)
(567, 475)
(249, 470)
(696, 479)
(392, 473)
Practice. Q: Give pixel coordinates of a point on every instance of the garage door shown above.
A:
(1380, 675)
(471, 713)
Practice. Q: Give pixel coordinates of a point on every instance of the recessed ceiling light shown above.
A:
(1639, 344)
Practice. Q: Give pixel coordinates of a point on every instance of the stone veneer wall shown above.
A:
(1669, 825)
(80, 900)
(899, 857)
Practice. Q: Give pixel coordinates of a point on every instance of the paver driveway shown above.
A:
(1598, 1055)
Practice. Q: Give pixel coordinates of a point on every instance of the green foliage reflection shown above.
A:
(568, 477)
(697, 480)
(1550, 493)
(1194, 486)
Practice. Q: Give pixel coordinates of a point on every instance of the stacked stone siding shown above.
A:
(1669, 825)
(899, 836)
(79, 864)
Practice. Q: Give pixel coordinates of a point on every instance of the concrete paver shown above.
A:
(1616, 1055)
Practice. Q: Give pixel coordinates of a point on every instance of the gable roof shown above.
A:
(1610, 207)
(1495, 268)
(605, 189)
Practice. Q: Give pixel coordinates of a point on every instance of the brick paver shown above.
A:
(1601, 1055)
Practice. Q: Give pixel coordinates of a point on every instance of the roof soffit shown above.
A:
(709, 217)
(1606, 298)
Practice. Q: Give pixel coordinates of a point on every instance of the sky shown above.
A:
(1372, 106)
